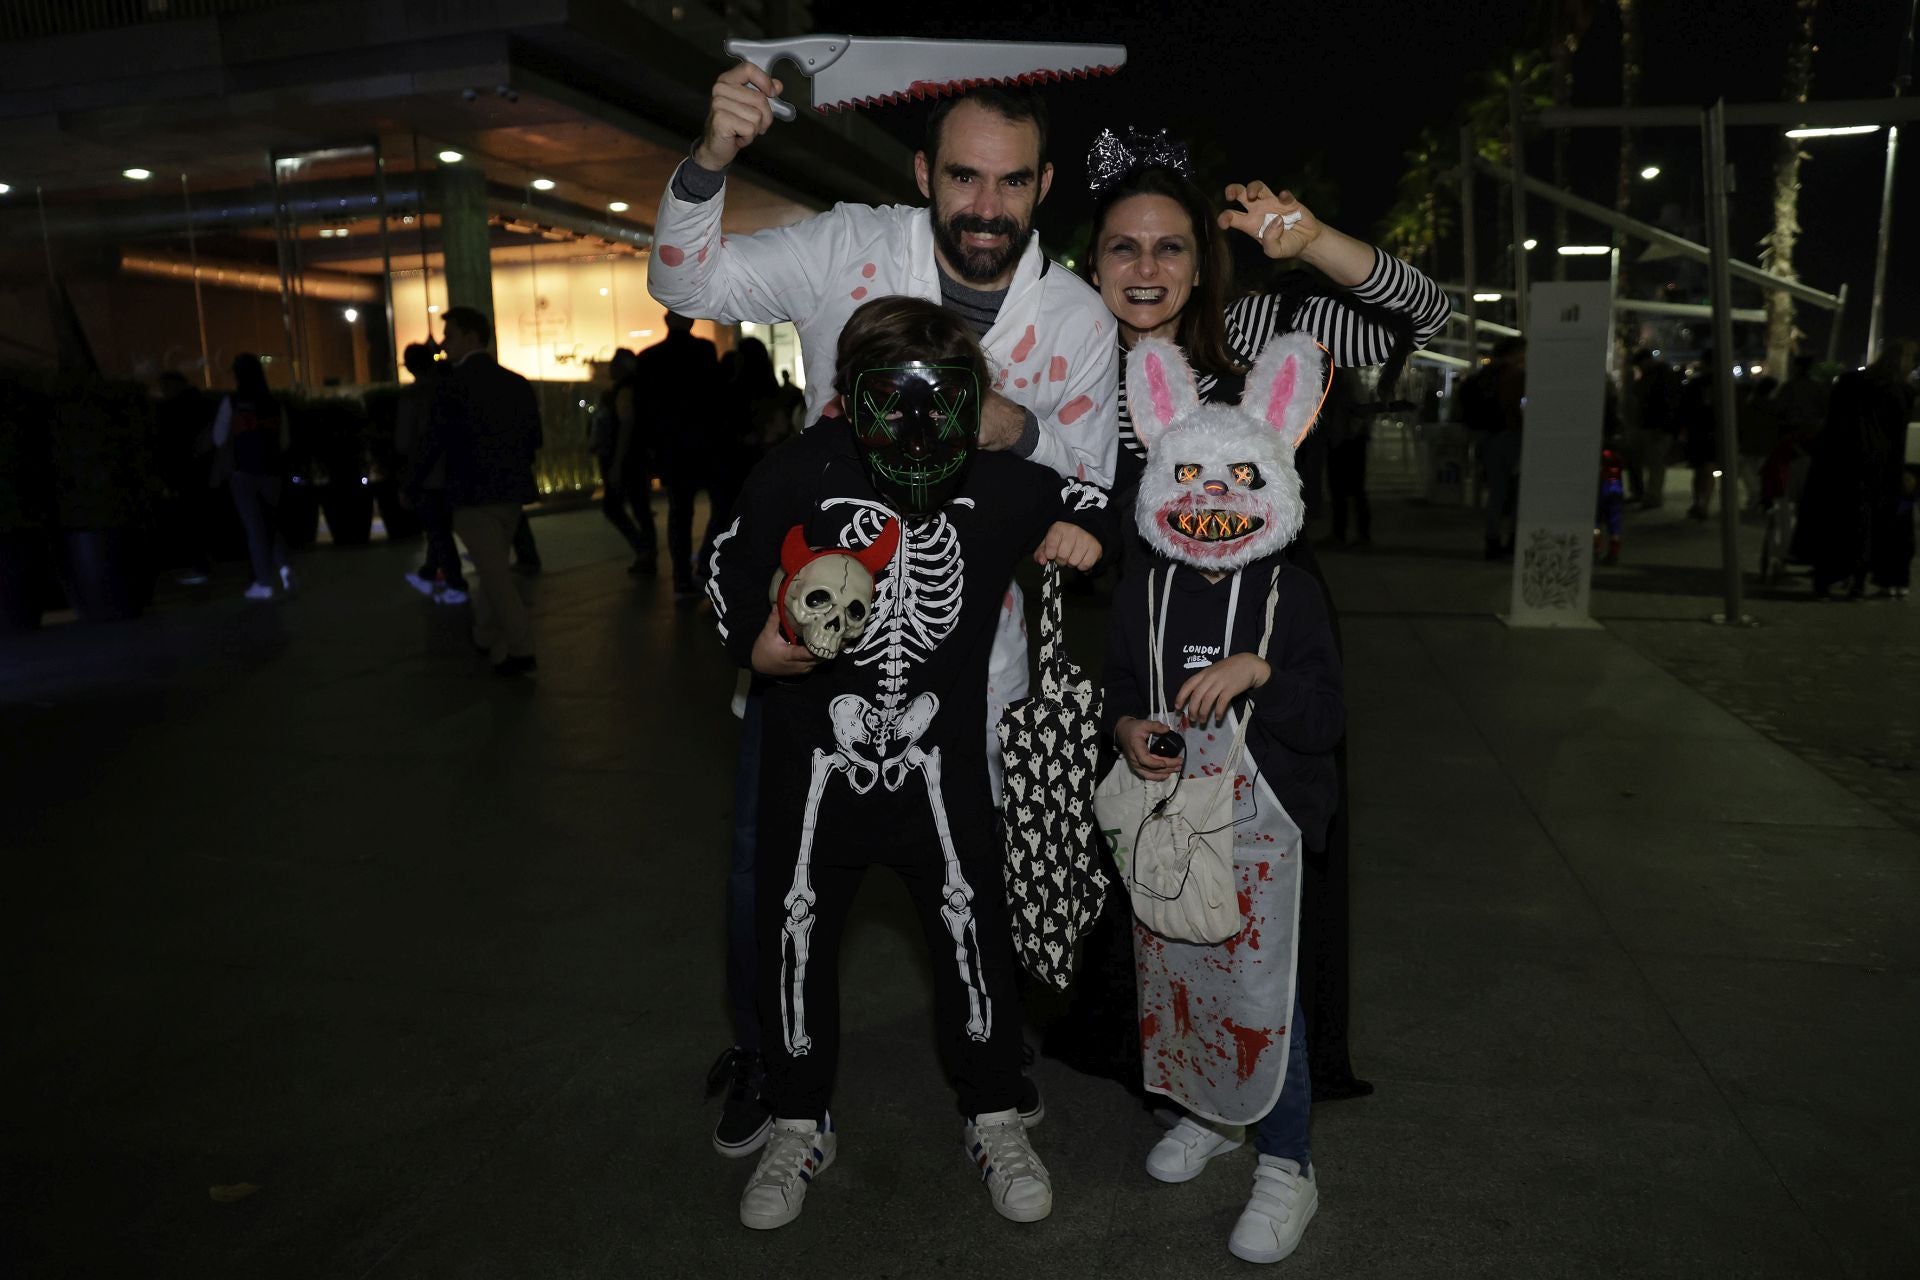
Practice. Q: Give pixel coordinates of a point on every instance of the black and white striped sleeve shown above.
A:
(1355, 337)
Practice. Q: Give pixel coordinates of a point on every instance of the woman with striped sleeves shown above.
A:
(1159, 257)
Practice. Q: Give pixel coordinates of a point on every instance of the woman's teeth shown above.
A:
(1145, 295)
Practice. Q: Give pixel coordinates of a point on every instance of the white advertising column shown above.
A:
(1560, 453)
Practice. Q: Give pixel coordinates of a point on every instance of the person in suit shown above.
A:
(485, 422)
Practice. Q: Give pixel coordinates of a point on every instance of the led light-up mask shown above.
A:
(1220, 489)
(917, 426)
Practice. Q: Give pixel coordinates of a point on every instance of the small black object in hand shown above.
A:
(1168, 745)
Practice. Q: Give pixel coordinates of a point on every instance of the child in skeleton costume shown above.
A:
(878, 756)
(1219, 501)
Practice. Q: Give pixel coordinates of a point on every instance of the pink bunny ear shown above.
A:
(1160, 388)
(1284, 390)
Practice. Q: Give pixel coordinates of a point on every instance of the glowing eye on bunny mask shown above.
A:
(1247, 475)
(916, 426)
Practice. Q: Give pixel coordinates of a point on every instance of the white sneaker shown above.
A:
(425, 586)
(451, 595)
(286, 578)
(259, 591)
(1277, 1215)
(997, 1143)
(797, 1152)
(1182, 1155)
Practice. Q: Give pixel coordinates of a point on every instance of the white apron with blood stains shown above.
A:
(1215, 1018)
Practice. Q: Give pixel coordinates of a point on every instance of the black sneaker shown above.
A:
(744, 1118)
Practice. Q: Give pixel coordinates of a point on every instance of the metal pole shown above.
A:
(1607, 217)
(1874, 308)
(1614, 344)
(1714, 125)
(1516, 158)
(391, 364)
(1833, 330)
(1467, 231)
(46, 240)
(199, 304)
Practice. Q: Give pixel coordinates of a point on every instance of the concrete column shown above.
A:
(464, 237)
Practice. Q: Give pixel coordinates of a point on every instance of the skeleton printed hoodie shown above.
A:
(913, 686)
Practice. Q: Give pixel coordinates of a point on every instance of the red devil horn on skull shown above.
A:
(875, 557)
(794, 552)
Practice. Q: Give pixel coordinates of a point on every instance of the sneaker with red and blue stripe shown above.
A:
(797, 1152)
(996, 1142)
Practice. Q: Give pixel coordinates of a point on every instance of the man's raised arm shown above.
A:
(766, 277)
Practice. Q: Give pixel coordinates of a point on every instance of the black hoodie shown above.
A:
(1299, 715)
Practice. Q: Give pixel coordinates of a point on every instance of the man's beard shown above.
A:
(979, 266)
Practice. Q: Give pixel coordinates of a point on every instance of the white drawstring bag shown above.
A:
(1173, 840)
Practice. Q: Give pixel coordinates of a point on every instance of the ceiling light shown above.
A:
(434, 310)
(1530, 244)
(618, 206)
(603, 291)
(543, 184)
(1486, 297)
(4, 188)
(326, 233)
(351, 314)
(138, 175)
(340, 231)
(1842, 131)
(451, 157)
(1584, 250)
(1651, 172)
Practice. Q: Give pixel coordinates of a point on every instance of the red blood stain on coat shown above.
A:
(1024, 348)
(1182, 1016)
(1264, 870)
(671, 255)
(1020, 382)
(1075, 409)
(860, 293)
(1149, 1027)
(1249, 1044)
(1245, 899)
(702, 255)
(868, 270)
(1057, 369)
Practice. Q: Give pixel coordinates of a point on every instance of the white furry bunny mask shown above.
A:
(1220, 489)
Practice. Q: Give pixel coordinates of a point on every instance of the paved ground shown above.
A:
(301, 897)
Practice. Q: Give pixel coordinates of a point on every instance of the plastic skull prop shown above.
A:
(1220, 489)
(826, 597)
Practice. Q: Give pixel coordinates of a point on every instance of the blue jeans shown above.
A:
(743, 951)
(1283, 1131)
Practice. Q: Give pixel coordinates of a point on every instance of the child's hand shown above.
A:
(774, 656)
(1070, 545)
(1132, 733)
(1206, 696)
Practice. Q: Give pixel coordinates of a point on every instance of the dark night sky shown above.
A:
(1275, 85)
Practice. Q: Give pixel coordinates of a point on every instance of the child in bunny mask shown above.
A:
(1239, 633)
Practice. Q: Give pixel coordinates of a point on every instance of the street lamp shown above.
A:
(1584, 250)
(451, 156)
(1529, 245)
(138, 175)
(1651, 172)
(1876, 308)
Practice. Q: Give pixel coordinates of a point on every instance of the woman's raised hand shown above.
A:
(1283, 226)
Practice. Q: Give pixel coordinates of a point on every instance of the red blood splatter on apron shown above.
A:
(671, 255)
(860, 293)
(1075, 409)
(1250, 1044)
(1182, 1016)
(1020, 382)
(1149, 1027)
(1264, 870)
(1057, 369)
(868, 270)
(1024, 348)
(1246, 901)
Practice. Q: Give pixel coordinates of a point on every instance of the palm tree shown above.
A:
(1492, 126)
(1777, 253)
(1568, 22)
(1420, 219)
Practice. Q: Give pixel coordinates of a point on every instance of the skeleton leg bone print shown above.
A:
(916, 606)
